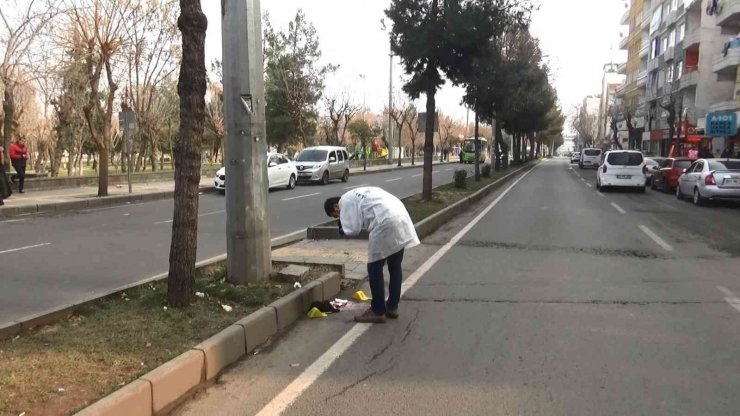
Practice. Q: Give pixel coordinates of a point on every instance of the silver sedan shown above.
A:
(710, 180)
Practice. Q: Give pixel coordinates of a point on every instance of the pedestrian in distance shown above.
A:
(5, 191)
(391, 232)
(19, 159)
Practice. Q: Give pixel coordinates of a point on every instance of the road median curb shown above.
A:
(172, 382)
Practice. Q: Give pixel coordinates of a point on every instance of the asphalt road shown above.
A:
(50, 260)
(558, 301)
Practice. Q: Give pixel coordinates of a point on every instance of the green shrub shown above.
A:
(460, 176)
(485, 170)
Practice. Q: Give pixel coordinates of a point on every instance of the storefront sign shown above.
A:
(721, 124)
(693, 139)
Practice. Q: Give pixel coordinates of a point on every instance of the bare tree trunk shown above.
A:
(477, 148)
(9, 109)
(426, 193)
(192, 90)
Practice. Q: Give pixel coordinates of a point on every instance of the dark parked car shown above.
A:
(666, 178)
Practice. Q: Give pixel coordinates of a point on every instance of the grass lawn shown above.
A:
(88, 170)
(115, 341)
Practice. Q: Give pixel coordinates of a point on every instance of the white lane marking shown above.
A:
(24, 248)
(416, 176)
(116, 207)
(448, 169)
(436, 171)
(8, 221)
(302, 196)
(731, 298)
(294, 390)
(601, 193)
(393, 180)
(656, 238)
(589, 185)
(583, 180)
(618, 208)
(199, 216)
(357, 186)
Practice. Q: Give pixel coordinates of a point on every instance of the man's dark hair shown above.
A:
(329, 205)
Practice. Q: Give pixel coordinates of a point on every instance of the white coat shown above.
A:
(384, 216)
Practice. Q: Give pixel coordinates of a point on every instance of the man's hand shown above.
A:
(341, 230)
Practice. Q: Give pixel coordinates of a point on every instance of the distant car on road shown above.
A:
(575, 157)
(322, 164)
(666, 178)
(590, 158)
(622, 168)
(280, 172)
(653, 165)
(710, 180)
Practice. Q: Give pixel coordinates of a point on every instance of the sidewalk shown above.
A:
(32, 198)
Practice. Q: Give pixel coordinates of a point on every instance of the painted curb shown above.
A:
(173, 381)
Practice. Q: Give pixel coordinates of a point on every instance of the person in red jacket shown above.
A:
(19, 158)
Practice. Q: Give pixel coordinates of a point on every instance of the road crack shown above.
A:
(408, 327)
(360, 381)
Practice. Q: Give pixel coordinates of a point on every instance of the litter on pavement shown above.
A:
(227, 308)
(325, 307)
(200, 294)
(297, 285)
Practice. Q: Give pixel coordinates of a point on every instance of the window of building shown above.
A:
(665, 45)
(674, 4)
(681, 32)
(669, 74)
(661, 79)
(666, 9)
(671, 38)
(679, 69)
(656, 48)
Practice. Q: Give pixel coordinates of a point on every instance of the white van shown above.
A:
(322, 164)
(590, 158)
(622, 168)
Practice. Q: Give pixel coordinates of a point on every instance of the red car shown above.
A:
(666, 178)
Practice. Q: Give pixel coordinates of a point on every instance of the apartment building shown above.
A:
(721, 121)
(610, 81)
(633, 93)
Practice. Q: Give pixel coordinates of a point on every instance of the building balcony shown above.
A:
(690, 79)
(733, 105)
(622, 68)
(730, 15)
(653, 65)
(651, 95)
(625, 20)
(692, 39)
(668, 54)
(670, 18)
(642, 79)
(623, 44)
(621, 90)
(727, 65)
(644, 49)
(645, 19)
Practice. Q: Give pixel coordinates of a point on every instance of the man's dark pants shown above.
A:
(377, 286)
(20, 169)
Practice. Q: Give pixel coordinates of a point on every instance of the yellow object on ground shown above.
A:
(361, 296)
(315, 313)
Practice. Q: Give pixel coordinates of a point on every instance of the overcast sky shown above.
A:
(578, 36)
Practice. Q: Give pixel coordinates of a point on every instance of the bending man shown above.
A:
(391, 232)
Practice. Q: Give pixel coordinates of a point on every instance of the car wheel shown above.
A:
(222, 191)
(699, 200)
(325, 179)
(291, 182)
(642, 189)
(345, 177)
(679, 194)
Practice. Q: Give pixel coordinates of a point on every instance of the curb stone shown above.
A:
(174, 380)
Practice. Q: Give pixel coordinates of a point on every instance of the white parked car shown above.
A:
(622, 168)
(590, 158)
(281, 171)
(710, 180)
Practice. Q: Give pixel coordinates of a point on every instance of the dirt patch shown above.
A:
(59, 369)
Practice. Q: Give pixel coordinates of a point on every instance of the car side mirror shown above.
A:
(272, 165)
(332, 160)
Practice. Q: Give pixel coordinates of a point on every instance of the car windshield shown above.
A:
(625, 159)
(724, 165)
(651, 162)
(470, 146)
(312, 155)
(592, 152)
(682, 164)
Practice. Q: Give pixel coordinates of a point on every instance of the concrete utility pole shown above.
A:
(247, 224)
(390, 107)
